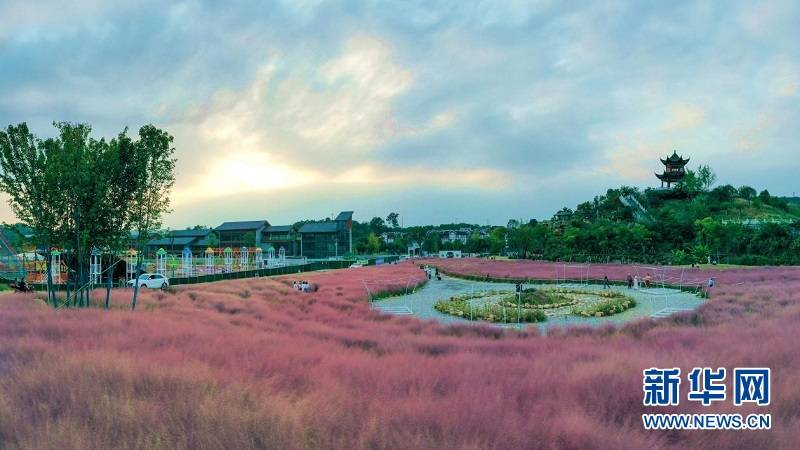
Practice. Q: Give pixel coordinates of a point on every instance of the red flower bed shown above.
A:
(254, 363)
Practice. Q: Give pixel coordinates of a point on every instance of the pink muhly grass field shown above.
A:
(254, 364)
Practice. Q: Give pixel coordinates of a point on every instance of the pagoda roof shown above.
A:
(674, 159)
(670, 176)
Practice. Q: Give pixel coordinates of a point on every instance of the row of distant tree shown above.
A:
(692, 223)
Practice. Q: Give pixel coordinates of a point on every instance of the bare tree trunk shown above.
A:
(50, 294)
(67, 286)
(136, 283)
(81, 283)
(109, 280)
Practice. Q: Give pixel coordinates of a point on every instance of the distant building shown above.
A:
(327, 239)
(453, 236)
(281, 236)
(450, 254)
(176, 240)
(414, 249)
(241, 234)
(674, 169)
(562, 218)
(390, 236)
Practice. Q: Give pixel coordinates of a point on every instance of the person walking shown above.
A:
(630, 281)
(605, 281)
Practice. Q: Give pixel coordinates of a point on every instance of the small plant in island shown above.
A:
(531, 304)
(606, 307)
(491, 312)
(539, 299)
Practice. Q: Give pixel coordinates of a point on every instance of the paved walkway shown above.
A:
(654, 303)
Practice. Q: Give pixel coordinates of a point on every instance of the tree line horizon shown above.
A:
(78, 193)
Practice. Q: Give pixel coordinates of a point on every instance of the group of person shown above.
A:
(304, 286)
(634, 282)
(431, 272)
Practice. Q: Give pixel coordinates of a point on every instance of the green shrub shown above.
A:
(607, 307)
(491, 312)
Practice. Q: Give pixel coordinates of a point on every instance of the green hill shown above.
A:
(682, 225)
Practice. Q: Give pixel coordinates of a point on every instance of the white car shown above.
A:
(356, 265)
(151, 280)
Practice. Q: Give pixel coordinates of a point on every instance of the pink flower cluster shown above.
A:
(254, 363)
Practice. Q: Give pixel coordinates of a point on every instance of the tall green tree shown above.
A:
(249, 239)
(373, 244)
(392, 220)
(32, 183)
(377, 225)
(706, 177)
(151, 184)
(747, 193)
(70, 190)
(212, 239)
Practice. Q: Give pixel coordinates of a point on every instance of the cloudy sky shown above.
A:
(441, 111)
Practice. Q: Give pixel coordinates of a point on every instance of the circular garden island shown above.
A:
(535, 305)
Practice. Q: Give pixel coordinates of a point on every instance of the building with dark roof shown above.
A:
(241, 234)
(327, 239)
(177, 240)
(344, 216)
(281, 236)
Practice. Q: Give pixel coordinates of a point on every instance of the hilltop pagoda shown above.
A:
(674, 170)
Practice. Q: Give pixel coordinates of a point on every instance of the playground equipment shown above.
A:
(259, 258)
(55, 266)
(12, 266)
(161, 261)
(244, 258)
(130, 264)
(96, 266)
(186, 261)
(210, 260)
(228, 258)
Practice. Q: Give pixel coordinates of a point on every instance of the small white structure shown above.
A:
(244, 258)
(96, 266)
(161, 261)
(186, 261)
(282, 255)
(450, 254)
(259, 256)
(130, 264)
(210, 260)
(228, 258)
(55, 266)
